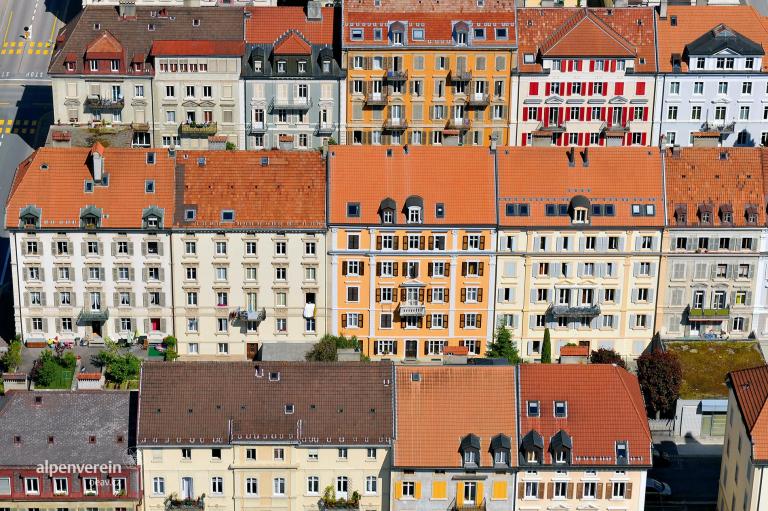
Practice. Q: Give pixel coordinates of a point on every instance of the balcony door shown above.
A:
(698, 299)
(376, 88)
(396, 112)
(470, 492)
(616, 120)
(554, 113)
(459, 112)
(412, 295)
(187, 489)
(411, 348)
(480, 89)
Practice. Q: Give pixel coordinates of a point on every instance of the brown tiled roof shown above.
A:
(267, 24)
(604, 405)
(574, 351)
(715, 177)
(694, 21)
(53, 179)
(197, 48)
(461, 178)
(348, 403)
(292, 44)
(455, 350)
(215, 23)
(103, 46)
(750, 387)
(288, 192)
(445, 405)
(587, 33)
(541, 175)
(438, 27)
(456, 6)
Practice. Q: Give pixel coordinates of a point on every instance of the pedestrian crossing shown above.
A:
(26, 47)
(18, 126)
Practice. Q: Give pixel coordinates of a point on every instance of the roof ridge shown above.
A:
(643, 418)
(563, 29)
(575, 21)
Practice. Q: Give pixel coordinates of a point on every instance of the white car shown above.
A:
(654, 487)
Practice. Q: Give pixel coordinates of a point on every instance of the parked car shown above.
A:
(661, 458)
(654, 487)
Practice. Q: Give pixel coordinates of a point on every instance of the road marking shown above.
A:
(30, 52)
(5, 36)
(13, 43)
(2, 122)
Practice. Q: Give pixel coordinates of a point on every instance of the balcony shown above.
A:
(325, 128)
(466, 506)
(88, 315)
(461, 75)
(615, 127)
(174, 504)
(191, 129)
(412, 309)
(719, 126)
(574, 311)
(258, 127)
(294, 103)
(249, 315)
(375, 99)
(140, 126)
(479, 99)
(396, 75)
(701, 314)
(461, 124)
(395, 124)
(96, 102)
(552, 127)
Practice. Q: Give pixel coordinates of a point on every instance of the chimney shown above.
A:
(97, 162)
(314, 11)
(127, 8)
(676, 151)
(494, 142)
(571, 157)
(663, 9)
(585, 157)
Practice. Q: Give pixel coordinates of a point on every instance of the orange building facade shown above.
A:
(412, 250)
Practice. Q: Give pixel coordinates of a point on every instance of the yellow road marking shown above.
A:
(30, 52)
(7, 130)
(5, 36)
(40, 44)
(45, 52)
(53, 30)
(37, 52)
(21, 43)
(13, 43)
(2, 122)
(2, 52)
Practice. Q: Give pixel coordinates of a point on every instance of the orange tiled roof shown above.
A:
(438, 28)
(716, 177)
(587, 33)
(455, 6)
(104, 45)
(267, 24)
(604, 405)
(286, 193)
(448, 403)
(455, 350)
(53, 179)
(461, 178)
(750, 387)
(292, 44)
(89, 376)
(695, 21)
(197, 47)
(574, 351)
(541, 175)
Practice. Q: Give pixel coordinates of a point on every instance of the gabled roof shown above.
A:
(586, 34)
(292, 43)
(722, 38)
(445, 405)
(103, 46)
(730, 177)
(267, 24)
(604, 405)
(460, 178)
(696, 22)
(197, 48)
(750, 388)
(347, 403)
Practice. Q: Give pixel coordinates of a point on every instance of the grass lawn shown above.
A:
(153, 353)
(62, 379)
(705, 365)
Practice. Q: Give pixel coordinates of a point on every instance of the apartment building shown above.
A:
(90, 243)
(293, 79)
(412, 253)
(578, 251)
(428, 78)
(249, 253)
(716, 219)
(712, 77)
(430, 5)
(106, 60)
(583, 441)
(468, 462)
(745, 453)
(586, 77)
(180, 3)
(280, 436)
(78, 455)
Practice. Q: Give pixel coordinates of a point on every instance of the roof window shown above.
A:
(533, 408)
(227, 215)
(561, 409)
(353, 210)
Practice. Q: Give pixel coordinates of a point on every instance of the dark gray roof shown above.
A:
(71, 418)
(285, 351)
(721, 38)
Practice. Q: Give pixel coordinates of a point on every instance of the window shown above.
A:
(619, 490)
(561, 409)
(221, 248)
(278, 486)
(371, 453)
(60, 486)
(722, 87)
(90, 486)
(533, 408)
(589, 490)
(409, 489)
(158, 486)
(342, 453)
(674, 88)
(217, 485)
(278, 454)
(118, 486)
(531, 488)
(313, 485)
(251, 486)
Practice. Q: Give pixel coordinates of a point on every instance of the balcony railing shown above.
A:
(191, 129)
(412, 308)
(461, 75)
(395, 124)
(325, 128)
(88, 315)
(721, 126)
(553, 126)
(376, 99)
(97, 102)
(702, 314)
(175, 504)
(573, 311)
(462, 124)
(396, 75)
(140, 126)
(258, 127)
(291, 103)
(475, 506)
(478, 99)
(615, 126)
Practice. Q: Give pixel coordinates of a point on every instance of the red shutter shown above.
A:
(645, 113)
(539, 117)
(631, 114)
(602, 140)
(613, 66)
(589, 113)
(578, 65)
(525, 113)
(603, 112)
(591, 65)
(640, 88)
(546, 116)
(583, 88)
(619, 88)
(581, 138)
(533, 88)
(605, 88)
(568, 89)
(589, 91)
(524, 141)
(643, 138)
(547, 89)
(582, 113)
(560, 115)
(609, 116)
(624, 116)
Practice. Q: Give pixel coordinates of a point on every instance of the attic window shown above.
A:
(274, 376)
(528, 58)
(501, 33)
(88, 186)
(195, 22)
(622, 452)
(561, 409)
(288, 409)
(415, 377)
(189, 215)
(264, 161)
(479, 33)
(353, 210)
(201, 161)
(151, 27)
(97, 26)
(378, 34)
(440, 210)
(533, 408)
(673, 21)
(150, 158)
(149, 186)
(356, 34)
(417, 34)
(44, 166)
(227, 215)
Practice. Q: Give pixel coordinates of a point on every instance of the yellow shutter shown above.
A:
(500, 490)
(459, 494)
(417, 490)
(398, 490)
(438, 490)
(480, 496)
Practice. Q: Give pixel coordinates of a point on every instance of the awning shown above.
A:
(309, 310)
(714, 405)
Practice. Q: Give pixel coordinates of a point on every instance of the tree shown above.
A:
(12, 358)
(327, 348)
(123, 368)
(503, 347)
(546, 348)
(606, 356)
(660, 377)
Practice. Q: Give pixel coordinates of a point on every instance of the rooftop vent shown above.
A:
(38, 400)
(44, 166)
(415, 377)
(289, 409)
(264, 161)
(723, 155)
(201, 161)
(274, 376)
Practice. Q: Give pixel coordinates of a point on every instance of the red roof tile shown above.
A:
(455, 6)
(461, 178)
(585, 30)
(539, 176)
(604, 405)
(89, 376)
(103, 46)
(267, 24)
(750, 388)
(455, 350)
(446, 404)
(197, 48)
(292, 44)
(574, 351)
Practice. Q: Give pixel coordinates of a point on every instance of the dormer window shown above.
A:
(470, 450)
(561, 409)
(281, 66)
(30, 218)
(90, 218)
(501, 446)
(461, 33)
(561, 457)
(580, 216)
(326, 66)
(622, 452)
(579, 210)
(532, 448)
(681, 214)
(414, 215)
(388, 216)
(560, 446)
(414, 207)
(152, 218)
(531, 457)
(726, 214)
(397, 34)
(153, 222)
(751, 215)
(705, 214)
(470, 458)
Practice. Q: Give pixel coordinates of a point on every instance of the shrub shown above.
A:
(12, 358)
(546, 348)
(606, 356)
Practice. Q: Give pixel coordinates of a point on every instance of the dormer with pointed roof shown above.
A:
(584, 34)
(292, 43)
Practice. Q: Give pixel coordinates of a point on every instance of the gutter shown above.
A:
(663, 229)
(519, 438)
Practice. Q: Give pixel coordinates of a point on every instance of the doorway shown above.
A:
(411, 348)
(96, 328)
(251, 350)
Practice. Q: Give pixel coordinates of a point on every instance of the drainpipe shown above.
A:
(517, 426)
(663, 230)
(17, 286)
